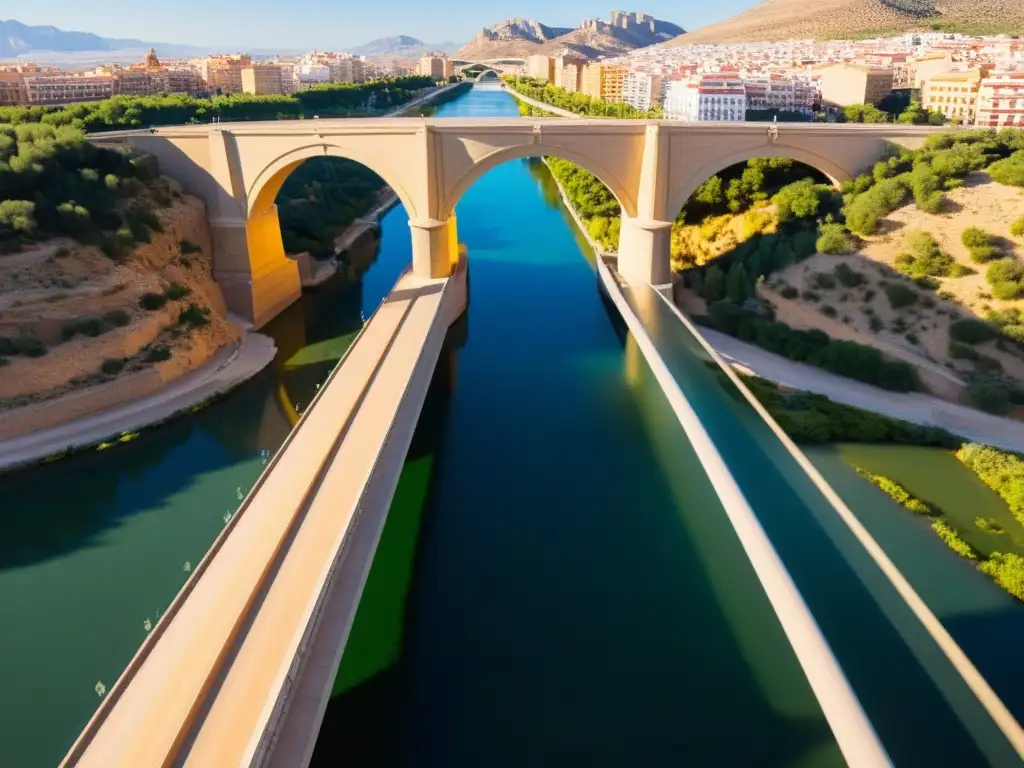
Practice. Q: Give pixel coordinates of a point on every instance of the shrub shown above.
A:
(152, 301)
(810, 296)
(834, 239)
(157, 355)
(28, 345)
(953, 540)
(62, 253)
(823, 280)
(900, 295)
(923, 256)
(789, 292)
(1006, 276)
(848, 276)
(111, 366)
(912, 338)
(960, 351)
(192, 315)
(970, 331)
(989, 395)
(828, 310)
(187, 246)
(979, 244)
(117, 317)
(1017, 228)
(876, 324)
(175, 291)
(988, 365)
(1007, 570)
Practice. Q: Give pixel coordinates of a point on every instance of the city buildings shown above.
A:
(846, 84)
(437, 66)
(1001, 100)
(223, 73)
(644, 91)
(954, 94)
(569, 72)
(349, 70)
(709, 99)
(263, 79)
(541, 68)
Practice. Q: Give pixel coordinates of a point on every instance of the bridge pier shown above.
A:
(645, 251)
(435, 246)
(256, 277)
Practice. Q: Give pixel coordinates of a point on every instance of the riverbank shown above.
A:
(541, 105)
(970, 424)
(228, 368)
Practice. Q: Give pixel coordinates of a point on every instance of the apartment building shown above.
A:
(223, 73)
(954, 94)
(603, 81)
(569, 72)
(709, 99)
(67, 89)
(778, 92)
(1001, 100)
(347, 71)
(541, 68)
(846, 84)
(643, 90)
(437, 67)
(263, 80)
(12, 88)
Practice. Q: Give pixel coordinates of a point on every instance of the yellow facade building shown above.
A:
(954, 94)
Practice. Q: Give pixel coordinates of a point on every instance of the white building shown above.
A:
(710, 99)
(312, 74)
(643, 90)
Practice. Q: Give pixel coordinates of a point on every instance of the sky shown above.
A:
(329, 24)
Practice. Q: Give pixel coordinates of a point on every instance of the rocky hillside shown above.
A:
(774, 20)
(518, 38)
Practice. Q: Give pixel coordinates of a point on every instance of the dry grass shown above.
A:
(841, 19)
(918, 333)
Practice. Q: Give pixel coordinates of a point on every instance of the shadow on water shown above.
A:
(921, 708)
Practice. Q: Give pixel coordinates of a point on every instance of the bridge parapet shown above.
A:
(222, 679)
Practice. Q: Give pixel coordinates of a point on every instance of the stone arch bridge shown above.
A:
(652, 168)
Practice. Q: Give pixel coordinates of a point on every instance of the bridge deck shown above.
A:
(204, 686)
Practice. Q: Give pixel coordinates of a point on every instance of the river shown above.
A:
(576, 596)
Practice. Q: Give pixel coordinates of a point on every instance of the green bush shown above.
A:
(111, 366)
(1007, 569)
(117, 317)
(152, 301)
(187, 247)
(157, 355)
(988, 365)
(25, 344)
(1006, 276)
(1017, 228)
(789, 292)
(923, 258)
(897, 493)
(834, 239)
(953, 540)
(828, 310)
(980, 244)
(900, 295)
(960, 351)
(989, 395)
(192, 315)
(970, 331)
(848, 276)
(175, 291)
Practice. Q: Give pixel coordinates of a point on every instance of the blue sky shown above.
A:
(328, 24)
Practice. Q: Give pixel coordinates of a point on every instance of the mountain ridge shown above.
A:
(400, 46)
(775, 20)
(19, 40)
(519, 38)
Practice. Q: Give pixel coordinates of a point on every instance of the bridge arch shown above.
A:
(619, 190)
(682, 192)
(267, 183)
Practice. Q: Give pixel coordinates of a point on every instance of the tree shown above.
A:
(737, 283)
(710, 192)
(714, 284)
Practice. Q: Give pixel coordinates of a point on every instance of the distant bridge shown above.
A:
(497, 66)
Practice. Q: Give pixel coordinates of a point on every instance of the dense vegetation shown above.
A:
(54, 182)
(322, 197)
(124, 112)
(580, 103)
(811, 418)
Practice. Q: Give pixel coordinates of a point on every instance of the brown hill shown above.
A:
(518, 38)
(774, 20)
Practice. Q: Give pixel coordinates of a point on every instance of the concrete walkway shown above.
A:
(917, 408)
(228, 368)
(416, 102)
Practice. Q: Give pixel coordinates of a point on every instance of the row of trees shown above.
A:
(125, 112)
(580, 103)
